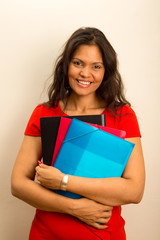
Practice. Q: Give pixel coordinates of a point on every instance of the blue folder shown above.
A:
(90, 152)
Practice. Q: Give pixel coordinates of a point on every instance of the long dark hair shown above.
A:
(111, 89)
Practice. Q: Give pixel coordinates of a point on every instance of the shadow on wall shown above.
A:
(13, 210)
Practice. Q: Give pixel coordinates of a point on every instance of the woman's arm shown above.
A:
(109, 191)
(22, 181)
(24, 187)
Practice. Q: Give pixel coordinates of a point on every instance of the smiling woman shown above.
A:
(86, 81)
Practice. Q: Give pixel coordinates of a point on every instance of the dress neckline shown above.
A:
(64, 114)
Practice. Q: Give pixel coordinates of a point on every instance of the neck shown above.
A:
(84, 105)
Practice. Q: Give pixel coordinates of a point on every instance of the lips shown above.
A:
(83, 82)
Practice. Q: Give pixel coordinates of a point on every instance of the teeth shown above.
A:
(86, 83)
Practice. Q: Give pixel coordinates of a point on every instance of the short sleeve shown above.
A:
(43, 110)
(33, 126)
(129, 123)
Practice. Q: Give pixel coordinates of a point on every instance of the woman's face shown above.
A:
(86, 70)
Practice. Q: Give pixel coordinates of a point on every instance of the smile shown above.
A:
(83, 82)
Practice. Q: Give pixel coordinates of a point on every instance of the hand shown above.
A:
(48, 176)
(92, 213)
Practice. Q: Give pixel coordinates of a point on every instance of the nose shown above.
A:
(85, 72)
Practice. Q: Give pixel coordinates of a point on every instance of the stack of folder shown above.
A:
(89, 150)
(49, 131)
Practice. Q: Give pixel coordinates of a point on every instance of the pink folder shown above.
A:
(63, 128)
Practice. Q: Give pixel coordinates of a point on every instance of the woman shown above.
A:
(86, 81)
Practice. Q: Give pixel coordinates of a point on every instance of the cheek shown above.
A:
(71, 78)
(72, 75)
(100, 77)
(72, 71)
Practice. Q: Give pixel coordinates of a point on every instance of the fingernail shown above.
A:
(39, 162)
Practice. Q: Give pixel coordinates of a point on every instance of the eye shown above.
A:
(96, 67)
(77, 63)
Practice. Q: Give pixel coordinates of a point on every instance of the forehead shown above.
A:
(88, 53)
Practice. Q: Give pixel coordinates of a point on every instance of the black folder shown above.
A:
(49, 129)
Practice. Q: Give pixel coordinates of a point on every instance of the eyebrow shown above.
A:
(92, 63)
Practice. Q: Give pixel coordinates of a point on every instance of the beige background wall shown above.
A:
(32, 33)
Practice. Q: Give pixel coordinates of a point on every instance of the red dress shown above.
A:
(59, 226)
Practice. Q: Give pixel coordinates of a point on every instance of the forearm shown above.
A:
(84, 209)
(39, 197)
(109, 191)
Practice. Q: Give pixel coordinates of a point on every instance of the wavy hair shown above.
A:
(111, 89)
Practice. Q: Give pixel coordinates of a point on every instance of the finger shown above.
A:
(38, 179)
(104, 214)
(99, 226)
(37, 169)
(42, 165)
(103, 220)
(41, 181)
(107, 214)
(39, 163)
(40, 169)
(108, 208)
